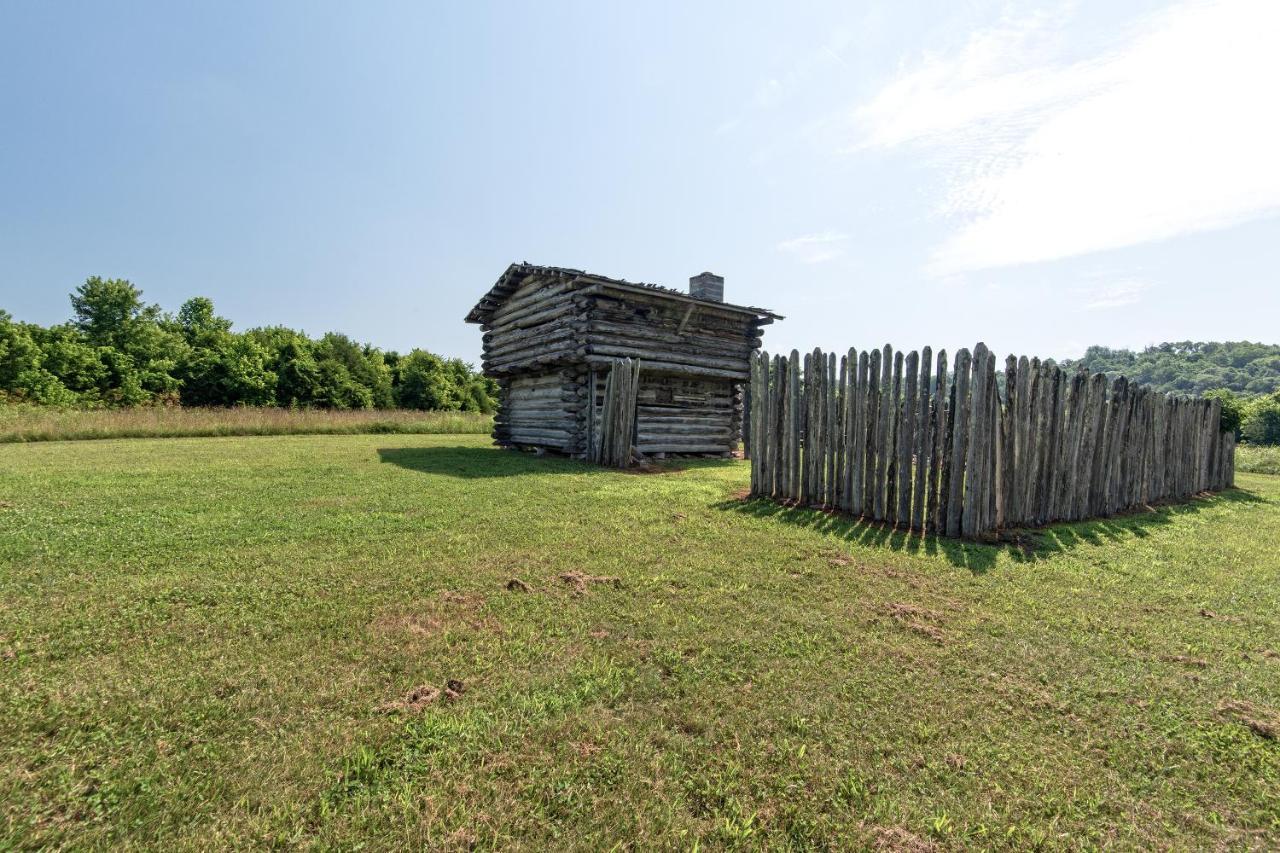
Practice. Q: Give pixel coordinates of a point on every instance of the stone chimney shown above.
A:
(707, 286)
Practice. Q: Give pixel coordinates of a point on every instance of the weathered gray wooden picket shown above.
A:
(613, 438)
(898, 440)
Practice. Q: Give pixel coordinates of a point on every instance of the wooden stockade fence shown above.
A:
(613, 438)
(892, 438)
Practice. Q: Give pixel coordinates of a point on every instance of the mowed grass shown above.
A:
(22, 423)
(203, 643)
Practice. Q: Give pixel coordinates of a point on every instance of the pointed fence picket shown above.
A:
(942, 448)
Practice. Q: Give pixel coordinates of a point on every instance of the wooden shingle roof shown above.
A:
(516, 274)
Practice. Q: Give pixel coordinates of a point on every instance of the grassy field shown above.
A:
(21, 423)
(1258, 460)
(316, 641)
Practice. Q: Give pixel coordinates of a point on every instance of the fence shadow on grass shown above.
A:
(1023, 546)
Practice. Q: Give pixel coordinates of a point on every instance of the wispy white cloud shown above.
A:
(815, 248)
(1115, 294)
(791, 80)
(1170, 133)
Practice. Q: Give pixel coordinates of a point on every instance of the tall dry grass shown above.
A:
(1257, 459)
(36, 423)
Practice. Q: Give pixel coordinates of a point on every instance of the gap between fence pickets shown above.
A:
(887, 436)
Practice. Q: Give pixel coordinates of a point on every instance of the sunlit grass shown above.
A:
(203, 643)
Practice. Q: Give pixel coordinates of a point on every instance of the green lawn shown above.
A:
(208, 642)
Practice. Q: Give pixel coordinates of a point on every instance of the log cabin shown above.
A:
(551, 335)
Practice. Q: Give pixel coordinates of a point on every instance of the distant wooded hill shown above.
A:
(1193, 367)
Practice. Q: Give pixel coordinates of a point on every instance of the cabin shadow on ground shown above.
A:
(473, 463)
(1023, 546)
(482, 462)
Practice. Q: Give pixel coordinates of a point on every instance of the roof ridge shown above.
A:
(508, 282)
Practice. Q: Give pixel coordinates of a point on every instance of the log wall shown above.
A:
(894, 439)
(551, 345)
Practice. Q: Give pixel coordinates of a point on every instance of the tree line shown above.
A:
(1193, 367)
(120, 351)
(1244, 375)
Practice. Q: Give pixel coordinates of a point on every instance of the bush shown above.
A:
(1232, 409)
(119, 351)
(1261, 420)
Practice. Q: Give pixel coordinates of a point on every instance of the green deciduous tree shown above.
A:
(119, 351)
(1261, 421)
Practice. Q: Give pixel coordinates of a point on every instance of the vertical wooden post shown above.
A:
(923, 443)
(792, 428)
(831, 433)
(936, 522)
(872, 432)
(959, 444)
(883, 430)
(891, 442)
(975, 458)
(849, 447)
(907, 438)
(858, 447)
(840, 442)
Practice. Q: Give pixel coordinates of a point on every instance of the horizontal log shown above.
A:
(665, 350)
(666, 298)
(538, 431)
(677, 436)
(541, 337)
(535, 292)
(534, 359)
(663, 417)
(637, 334)
(550, 379)
(668, 447)
(534, 316)
(646, 354)
(654, 366)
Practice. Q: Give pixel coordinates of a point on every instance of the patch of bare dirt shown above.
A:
(918, 620)
(581, 581)
(422, 619)
(898, 840)
(1187, 660)
(599, 634)
(423, 695)
(461, 838)
(415, 624)
(1030, 694)
(6, 504)
(461, 598)
(1261, 721)
(903, 610)
(1269, 653)
(412, 702)
(586, 748)
(517, 585)
(1209, 614)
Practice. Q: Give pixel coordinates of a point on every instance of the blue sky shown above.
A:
(1038, 176)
